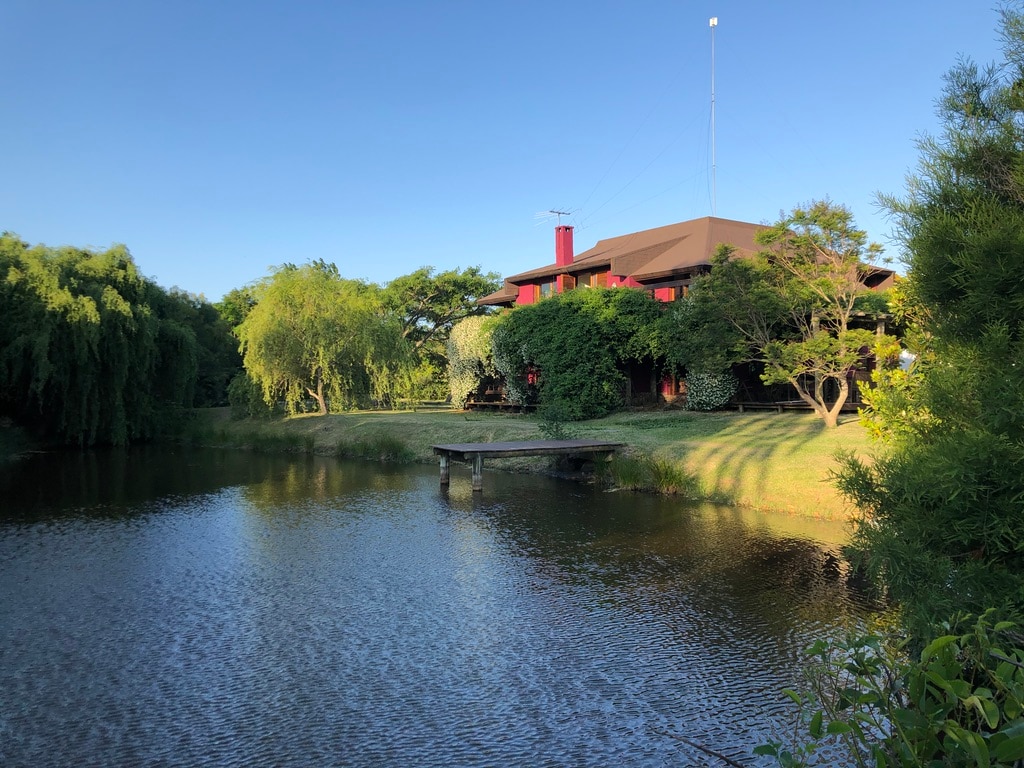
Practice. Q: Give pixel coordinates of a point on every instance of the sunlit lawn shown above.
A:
(765, 460)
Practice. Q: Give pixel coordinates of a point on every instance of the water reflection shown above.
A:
(236, 609)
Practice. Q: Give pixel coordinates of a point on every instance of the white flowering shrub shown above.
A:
(469, 358)
(709, 391)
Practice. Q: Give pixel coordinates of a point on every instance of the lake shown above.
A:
(199, 607)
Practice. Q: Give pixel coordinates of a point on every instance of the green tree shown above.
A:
(576, 346)
(88, 350)
(217, 357)
(428, 305)
(789, 308)
(236, 305)
(943, 507)
(315, 334)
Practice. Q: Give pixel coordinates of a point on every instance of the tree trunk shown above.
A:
(318, 395)
(817, 401)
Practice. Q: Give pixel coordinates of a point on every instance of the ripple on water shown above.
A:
(386, 624)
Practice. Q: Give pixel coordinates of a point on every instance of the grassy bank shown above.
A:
(770, 461)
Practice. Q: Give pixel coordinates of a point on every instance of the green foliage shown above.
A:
(428, 305)
(384, 448)
(217, 357)
(90, 350)
(469, 357)
(427, 380)
(236, 305)
(576, 344)
(728, 313)
(958, 703)
(788, 308)
(554, 422)
(246, 398)
(315, 334)
(640, 472)
(942, 523)
(709, 391)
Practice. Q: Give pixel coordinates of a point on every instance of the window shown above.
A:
(593, 279)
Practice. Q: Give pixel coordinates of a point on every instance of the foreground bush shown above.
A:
(958, 703)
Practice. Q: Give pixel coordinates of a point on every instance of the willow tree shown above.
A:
(88, 353)
(313, 334)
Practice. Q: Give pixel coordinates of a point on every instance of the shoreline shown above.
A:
(771, 462)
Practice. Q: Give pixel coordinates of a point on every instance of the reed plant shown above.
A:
(641, 472)
(379, 447)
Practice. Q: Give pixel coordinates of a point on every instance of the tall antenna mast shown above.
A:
(714, 184)
(559, 214)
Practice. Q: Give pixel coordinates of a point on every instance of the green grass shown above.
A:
(764, 460)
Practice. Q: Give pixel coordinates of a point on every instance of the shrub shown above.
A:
(709, 391)
(959, 702)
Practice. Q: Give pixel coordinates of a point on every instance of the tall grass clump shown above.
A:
(386, 448)
(639, 472)
(259, 440)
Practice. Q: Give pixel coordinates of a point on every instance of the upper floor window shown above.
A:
(593, 279)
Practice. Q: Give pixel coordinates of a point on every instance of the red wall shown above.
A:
(525, 294)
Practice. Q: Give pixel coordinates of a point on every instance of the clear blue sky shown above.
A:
(216, 139)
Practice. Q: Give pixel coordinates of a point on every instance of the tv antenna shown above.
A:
(545, 215)
(714, 186)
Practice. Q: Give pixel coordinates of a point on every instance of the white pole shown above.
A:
(714, 181)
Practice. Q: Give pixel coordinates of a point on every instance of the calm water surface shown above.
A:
(217, 608)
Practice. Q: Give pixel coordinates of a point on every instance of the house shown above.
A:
(663, 260)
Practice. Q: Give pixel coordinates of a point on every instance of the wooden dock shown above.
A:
(477, 452)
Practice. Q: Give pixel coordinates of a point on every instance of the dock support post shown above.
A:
(444, 469)
(478, 472)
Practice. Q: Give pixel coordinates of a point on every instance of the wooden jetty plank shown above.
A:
(477, 452)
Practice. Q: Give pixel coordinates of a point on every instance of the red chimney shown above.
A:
(563, 245)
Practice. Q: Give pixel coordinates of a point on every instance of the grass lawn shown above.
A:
(764, 460)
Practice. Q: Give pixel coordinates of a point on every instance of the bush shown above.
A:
(709, 391)
(554, 420)
(959, 702)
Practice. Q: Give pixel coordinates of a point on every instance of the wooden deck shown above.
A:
(477, 452)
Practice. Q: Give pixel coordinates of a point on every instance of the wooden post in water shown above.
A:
(445, 476)
(478, 472)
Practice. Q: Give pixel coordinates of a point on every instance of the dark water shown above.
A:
(229, 609)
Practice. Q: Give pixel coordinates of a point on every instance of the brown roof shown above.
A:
(656, 253)
(652, 255)
(507, 293)
(660, 252)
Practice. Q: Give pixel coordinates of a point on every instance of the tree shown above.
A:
(236, 305)
(217, 358)
(942, 524)
(428, 305)
(788, 308)
(576, 346)
(89, 352)
(315, 334)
